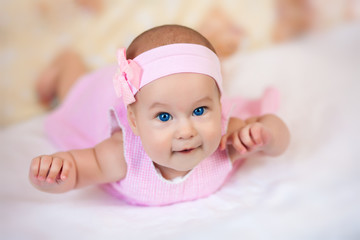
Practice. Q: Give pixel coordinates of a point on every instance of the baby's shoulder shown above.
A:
(111, 157)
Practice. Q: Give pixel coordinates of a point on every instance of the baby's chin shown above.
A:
(193, 164)
(186, 167)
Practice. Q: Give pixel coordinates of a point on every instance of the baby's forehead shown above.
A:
(180, 87)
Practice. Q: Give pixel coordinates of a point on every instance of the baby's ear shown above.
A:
(132, 120)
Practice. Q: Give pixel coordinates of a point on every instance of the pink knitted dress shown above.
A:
(91, 112)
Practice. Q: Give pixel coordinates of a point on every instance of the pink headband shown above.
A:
(163, 61)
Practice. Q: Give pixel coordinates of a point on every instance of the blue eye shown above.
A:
(164, 117)
(199, 111)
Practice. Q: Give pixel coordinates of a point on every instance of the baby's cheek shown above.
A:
(159, 144)
(150, 142)
(213, 135)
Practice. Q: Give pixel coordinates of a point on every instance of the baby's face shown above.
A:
(178, 118)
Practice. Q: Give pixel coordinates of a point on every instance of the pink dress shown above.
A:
(90, 114)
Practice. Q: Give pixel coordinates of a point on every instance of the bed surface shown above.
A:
(310, 192)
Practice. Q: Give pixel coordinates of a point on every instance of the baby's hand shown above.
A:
(251, 138)
(48, 170)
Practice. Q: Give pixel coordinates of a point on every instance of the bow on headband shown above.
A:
(127, 79)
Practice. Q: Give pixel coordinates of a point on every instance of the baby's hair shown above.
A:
(165, 35)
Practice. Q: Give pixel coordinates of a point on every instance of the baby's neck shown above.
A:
(169, 173)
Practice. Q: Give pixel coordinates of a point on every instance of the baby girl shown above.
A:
(165, 134)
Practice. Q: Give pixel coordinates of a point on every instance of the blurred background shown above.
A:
(32, 33)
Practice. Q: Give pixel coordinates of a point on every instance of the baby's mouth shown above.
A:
(186, 150)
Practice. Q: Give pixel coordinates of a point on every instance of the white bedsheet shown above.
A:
(310, 192)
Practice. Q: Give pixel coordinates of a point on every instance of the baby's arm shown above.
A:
(63, 171)
(266, 134)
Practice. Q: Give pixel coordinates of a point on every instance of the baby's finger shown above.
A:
(55, 169)
(67, 165)
(246, 138)
(45, 163)
(223, 142)
(237, 143)
(255, 132)
(34, 167)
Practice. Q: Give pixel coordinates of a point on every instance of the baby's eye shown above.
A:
(199, 111)
(164, 117)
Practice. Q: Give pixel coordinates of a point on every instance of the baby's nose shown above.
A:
(185, 130)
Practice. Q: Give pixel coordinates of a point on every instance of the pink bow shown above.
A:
(127, 78)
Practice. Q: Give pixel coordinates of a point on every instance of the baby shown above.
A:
(168, 138)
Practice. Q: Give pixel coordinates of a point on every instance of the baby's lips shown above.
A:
(184, 149)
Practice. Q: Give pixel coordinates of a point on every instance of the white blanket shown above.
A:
(310, 192)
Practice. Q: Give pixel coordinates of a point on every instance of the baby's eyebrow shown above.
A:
(163, 105)
(158, 104)
(204, 99)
